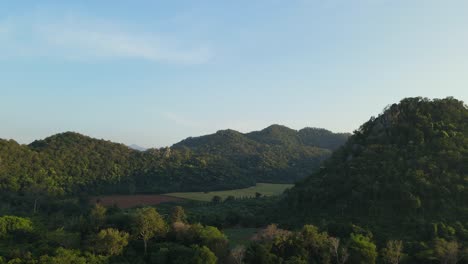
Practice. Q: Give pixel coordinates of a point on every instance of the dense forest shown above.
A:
(402, 174)
(145, 235)
(395, 192)
(71, 163)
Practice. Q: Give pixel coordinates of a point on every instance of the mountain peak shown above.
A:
(409, 162)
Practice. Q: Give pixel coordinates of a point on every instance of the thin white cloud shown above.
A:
(74, 38)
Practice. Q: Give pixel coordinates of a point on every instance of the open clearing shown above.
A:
(129, 201)
(267, 189)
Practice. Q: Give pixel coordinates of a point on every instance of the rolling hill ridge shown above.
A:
(73, 163)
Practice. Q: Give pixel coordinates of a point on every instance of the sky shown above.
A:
(155, 72)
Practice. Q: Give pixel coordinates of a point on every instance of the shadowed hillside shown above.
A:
(404, 170)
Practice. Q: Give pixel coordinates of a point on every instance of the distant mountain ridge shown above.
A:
(274, 154)
(70, 162)
(136, 147)
(275, 135)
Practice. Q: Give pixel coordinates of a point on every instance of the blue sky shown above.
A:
(155, 72)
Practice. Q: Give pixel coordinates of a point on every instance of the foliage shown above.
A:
(97, 216)
(203, 255)
(11, 224)
(402, 174)
(148, 224)
(178, 215)
(110, 241)
(71, 163)
(362, 250)
(392, 253)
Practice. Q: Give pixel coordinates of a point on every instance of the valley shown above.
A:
(395, 191)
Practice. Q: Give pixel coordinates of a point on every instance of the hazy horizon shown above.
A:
(151, 74)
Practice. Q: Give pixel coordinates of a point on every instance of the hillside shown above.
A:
(275, 154)
(73, 163)
(404, 172)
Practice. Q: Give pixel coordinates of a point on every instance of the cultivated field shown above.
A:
(268, 189)
(129, 201)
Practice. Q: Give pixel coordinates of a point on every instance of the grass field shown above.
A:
(268, 189)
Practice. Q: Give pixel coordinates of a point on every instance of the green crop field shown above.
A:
(267, 189)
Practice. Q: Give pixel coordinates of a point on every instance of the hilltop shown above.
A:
(404, 172)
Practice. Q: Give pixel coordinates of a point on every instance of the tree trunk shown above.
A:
(35, 206)
(144, 241)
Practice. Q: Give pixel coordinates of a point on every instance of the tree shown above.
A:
(362, 250)
(340, 253)
(148, 224)
(230, 198)
(11, 224)
(178, 215)
(392, 253)
(203, 255)
(260, 254)
(238, 254)
(97, 216)
(110, 241)
(63, 238)
(316, 243)
(215, 240)
(216, 199)
(447, 252)
(64, 256)
(270, 232)
(296, 260)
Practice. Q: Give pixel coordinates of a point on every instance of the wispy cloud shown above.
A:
(84, 39)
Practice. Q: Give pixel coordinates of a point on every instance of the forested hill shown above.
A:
(272, 135)
(274, 154)
(407, 169)
(73, 163)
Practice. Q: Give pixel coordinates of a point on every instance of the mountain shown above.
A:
(136, 147)
(276, 135)
(405, 171)
(274, 154)
(71, 163)
(322, 138)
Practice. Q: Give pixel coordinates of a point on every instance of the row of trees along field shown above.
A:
(145, 236)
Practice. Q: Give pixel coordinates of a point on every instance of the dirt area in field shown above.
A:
(129, 201)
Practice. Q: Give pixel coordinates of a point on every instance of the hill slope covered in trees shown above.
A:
(73, 163)
(404, 173)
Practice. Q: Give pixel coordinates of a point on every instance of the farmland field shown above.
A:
(267, 189)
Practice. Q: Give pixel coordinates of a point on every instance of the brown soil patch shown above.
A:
(129, 201)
